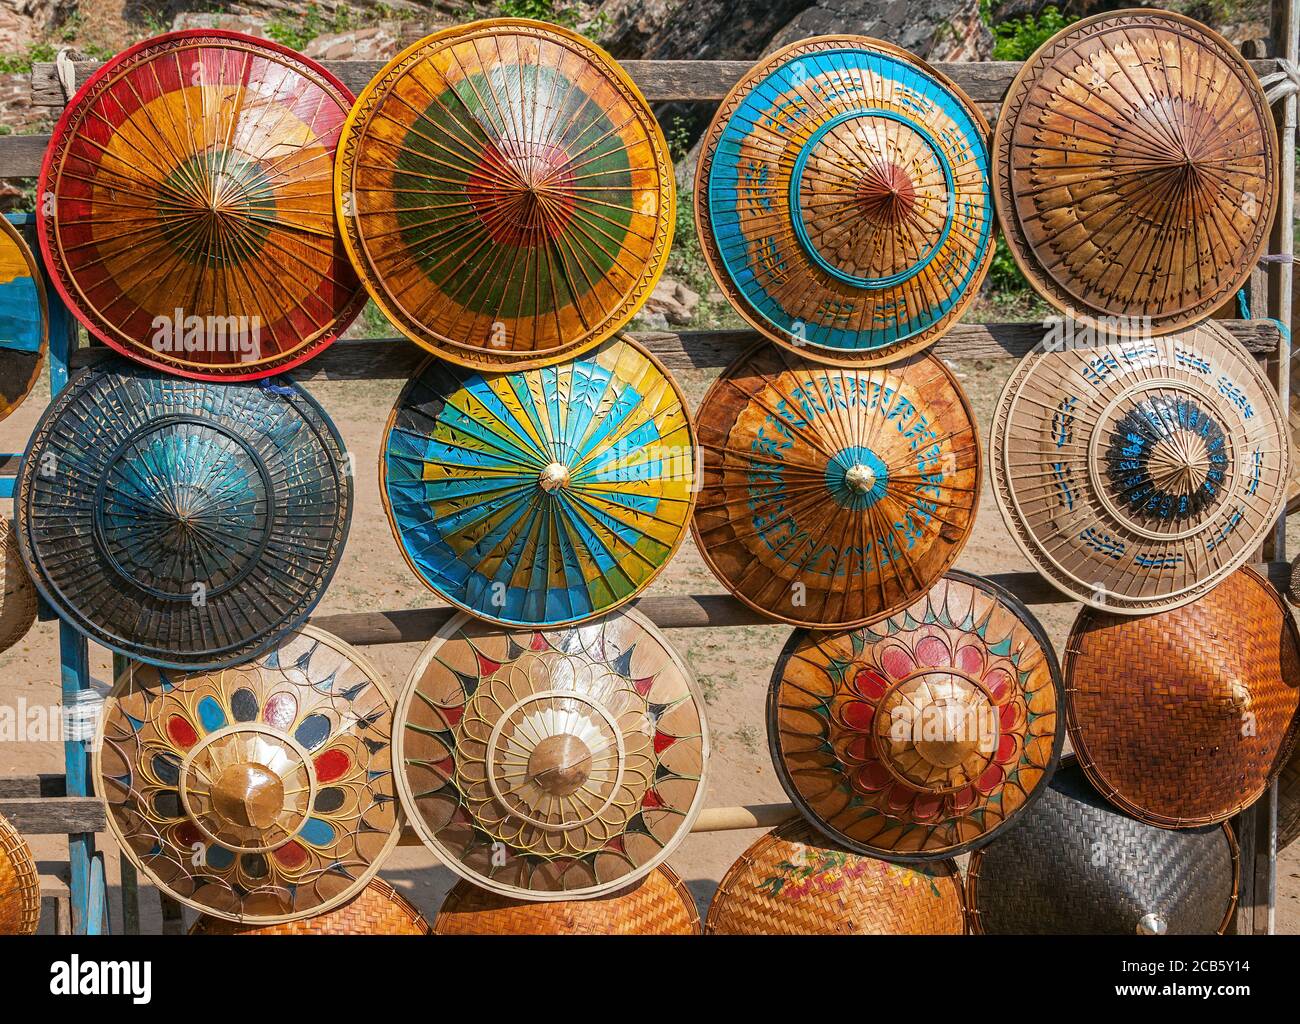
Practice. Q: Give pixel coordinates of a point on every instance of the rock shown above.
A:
(23, 22)
(647, 321)
(935, 30)
(17, 112)
(245, 23)
(379, 42)
(674, 301)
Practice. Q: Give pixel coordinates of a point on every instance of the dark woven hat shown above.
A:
(1075, 865)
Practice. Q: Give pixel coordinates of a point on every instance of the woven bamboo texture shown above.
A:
(833, 497)
(1135, 170)
(1074, 865)
(843, 201)
(1183, 717)
(17, 592)
(659, 904)
(20, 885)
(793, 881)
(378, 909)
(1288, 802)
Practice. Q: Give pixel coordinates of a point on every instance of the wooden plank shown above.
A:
(398, 359)
(661, 81)
(21, 155)
(47, 816)
(416, 625)
(32, 786)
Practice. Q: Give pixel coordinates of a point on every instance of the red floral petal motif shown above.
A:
(291, 854)
(1006, 749)
(872, 777)
(663, 741)
(280, 711)
(900, 798)
(932, 651)
(870, 683)
(961, 799)
(991, 779)
(651, 799)
(486, 666)
(858, 751)
(187, 834)
(616, 844)
(927, 806)
(643, 686)
(998, 683)
(332, 764)
(446, 766)
(857, 715)
(452, 715)
(1009, 717)
(897, 662)
(537, 643)
(181, 732)
(970, 659)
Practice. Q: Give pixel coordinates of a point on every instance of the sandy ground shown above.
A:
(733, 665)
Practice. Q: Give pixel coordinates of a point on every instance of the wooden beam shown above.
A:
(660, 81)
(398, 359)
(21, 155)
(32, 786)
(64, 815)
(668, 611)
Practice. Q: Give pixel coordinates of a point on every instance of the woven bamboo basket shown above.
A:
(794, 881)
(1158, 706)
(659, 904)
(378, 909)
(17, 592)
(20, 885)
(1076, 866)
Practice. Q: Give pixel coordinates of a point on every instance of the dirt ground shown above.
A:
(733, 665)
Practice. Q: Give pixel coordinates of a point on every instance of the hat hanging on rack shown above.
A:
(20, 884)
(540, 497)
(658, 904)
(280, 771)
(378, 909)
(1076, 866)
(834, 496)
(793, 881)
(551, 765)
(190, 218)
(180, 522)
(843, 200)
(1136, 475)
(1184, 717)
(1135, 171)
(506, 193)
(925, 734)
(24, 319)
(17, 593)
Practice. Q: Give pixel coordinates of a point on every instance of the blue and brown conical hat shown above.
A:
(24, 331)
(506, 193)
(843, 200)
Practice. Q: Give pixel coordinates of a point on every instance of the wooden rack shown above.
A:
(62, 804)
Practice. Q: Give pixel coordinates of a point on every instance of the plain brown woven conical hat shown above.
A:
(659, 904)
(17, 592)
(1135, 170)
(793, 881)
(20, 885)
(1183, 717)
(378, 909)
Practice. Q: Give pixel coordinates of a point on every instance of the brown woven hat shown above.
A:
(659, 904)
(20, 885)
(1137, 475)
(1076, 866)
(1135, 170)
(378, 909)
(793, 882)
(259, 794)
(833, 497)
(17, 592)
(551, 765)
(922, 735)
(1182, 718)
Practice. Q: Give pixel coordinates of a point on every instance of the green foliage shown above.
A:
(297, 32)
(1018, 38)
(539, 10)
(21, 63)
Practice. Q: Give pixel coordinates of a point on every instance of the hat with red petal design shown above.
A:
(924, 734)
